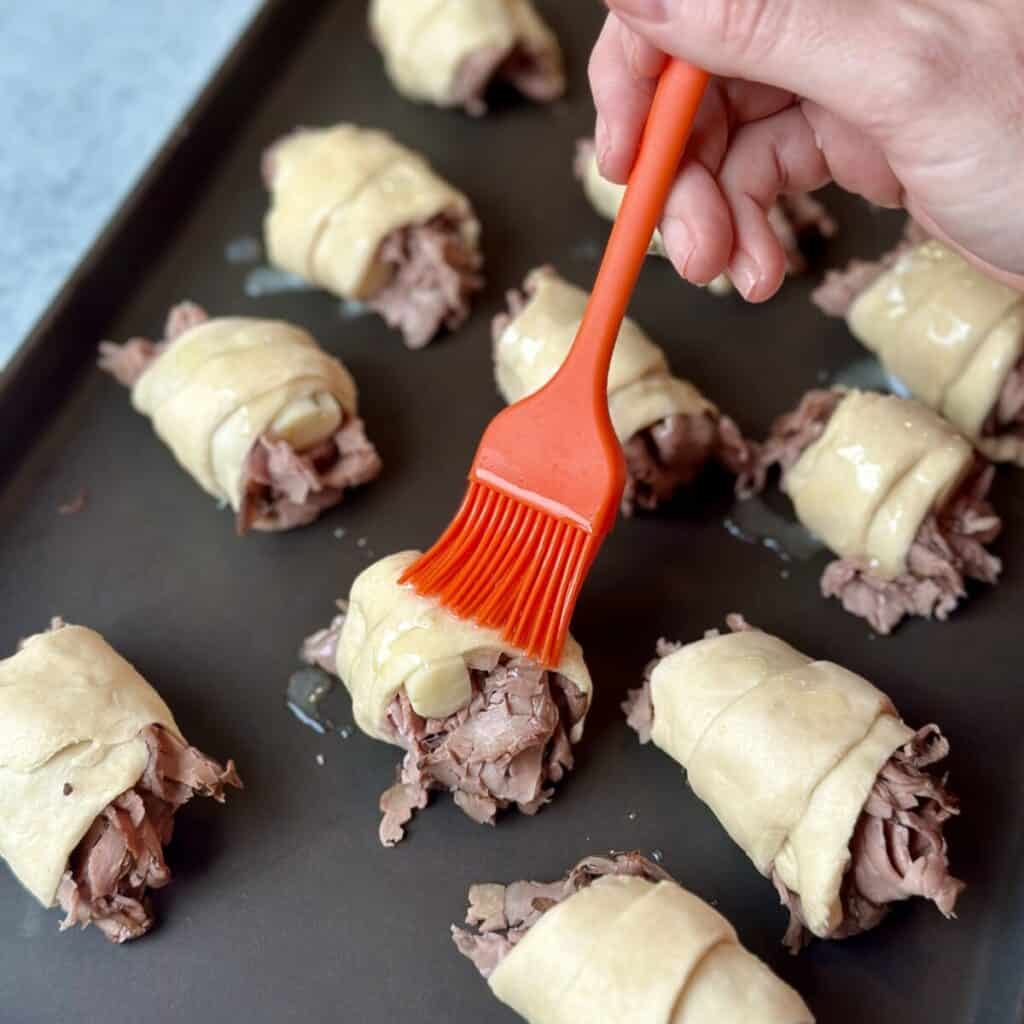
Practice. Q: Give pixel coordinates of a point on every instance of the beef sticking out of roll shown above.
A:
(669, 431)
(368, 220)
(448, 53)
(850, 821)
(895, 492)
(93, 769)
(254, 410)
(954, 337)
(474, 715)
(618, 940)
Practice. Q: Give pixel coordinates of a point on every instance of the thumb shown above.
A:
(814, 49)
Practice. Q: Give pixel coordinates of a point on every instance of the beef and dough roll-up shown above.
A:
(448, 52)
(92, 771)
(794, 218)
(618, 940)
(953, 336)
(368, 220)
(669, 431)
(895, 492)
(849, 820)
(254, 410)
(474, 715)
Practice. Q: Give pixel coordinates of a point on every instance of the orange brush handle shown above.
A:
(676, 101)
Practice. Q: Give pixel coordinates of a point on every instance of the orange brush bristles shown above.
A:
(510, 567)
(548, 476)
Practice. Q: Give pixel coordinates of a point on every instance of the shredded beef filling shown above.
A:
(949, 549)
(121, 857)
(281, 488)
(500, 915)
(897, 849)
(509, 745)
(669, 454)
(795, 217)
(434, 273)
(535, 73)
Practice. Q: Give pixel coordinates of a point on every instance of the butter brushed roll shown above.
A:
(669, 431)
(254, 410)
(810, 770)
(367, 219)
(473, 713)
(895, 492)
(448, 52)
(950, 334)
(93, 768)
(615, 941)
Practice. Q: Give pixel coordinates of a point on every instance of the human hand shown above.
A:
(915, 103)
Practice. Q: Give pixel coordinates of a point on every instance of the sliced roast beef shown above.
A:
(509, 745)
(897, 850)
(500, 915)
(121, 857)
(535, 72)
(948, 550)
(281, 488)
(434, 273)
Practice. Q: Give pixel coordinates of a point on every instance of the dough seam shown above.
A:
(684, 992)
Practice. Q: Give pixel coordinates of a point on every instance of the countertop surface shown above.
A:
(88, 92)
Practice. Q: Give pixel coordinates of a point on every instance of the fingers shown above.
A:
(624, 71)
(697, 226)
(767, 158)
(819, 50)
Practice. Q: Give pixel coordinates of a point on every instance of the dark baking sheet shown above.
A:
(284, 906)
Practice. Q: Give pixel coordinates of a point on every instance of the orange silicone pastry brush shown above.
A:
(547, 479)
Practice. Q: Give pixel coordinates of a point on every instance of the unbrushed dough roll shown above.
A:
(809, 769)
(254, 410)
(424, 679)
(367, 219)
(447, 52)
(79, 730)
(881, 466)
(952, 335)
(620, 941)
(668, 429)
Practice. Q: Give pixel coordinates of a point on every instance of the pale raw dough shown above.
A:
(426, 42)
(338, 193)
(393, 637)
(224, 382)
(866, 485)
(628, 949)
(606, 197)
(641, 389)
(948, 332)
(71, 710)
(783, 749)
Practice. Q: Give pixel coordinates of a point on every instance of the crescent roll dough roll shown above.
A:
(895, 492)
(953, 336)
(668, 429)
(447, 52)
(793, 217)
(256, 412)
(368, 220)
(472, 712)
(810, 770)
(618, 940)
(92, 769)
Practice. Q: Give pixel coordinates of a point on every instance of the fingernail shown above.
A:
(745, 273)
(649, 10)
(679, 243)
(602, 140)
